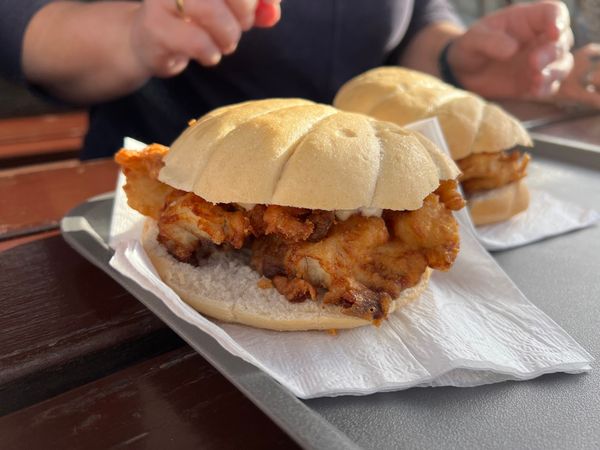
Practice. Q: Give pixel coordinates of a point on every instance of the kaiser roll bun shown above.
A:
(470, 123)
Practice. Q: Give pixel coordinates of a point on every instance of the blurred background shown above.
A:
(27, 120)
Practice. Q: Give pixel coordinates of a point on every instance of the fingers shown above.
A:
(164, 43)
(551, 63)
(552, 20)
(578, 93)
(586, 74)
(215, 17)
(166, 34)
(549, 52)
(547, 19)
(582, 85)
(243, 11)
(549, 81)
(183, 38)
(541, 22)
(501, 34)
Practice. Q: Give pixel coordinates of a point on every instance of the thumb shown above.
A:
(493, 44)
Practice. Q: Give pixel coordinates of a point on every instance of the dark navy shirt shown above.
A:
(316, 47)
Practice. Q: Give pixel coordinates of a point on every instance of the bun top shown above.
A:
(294, 152)
(470, 124)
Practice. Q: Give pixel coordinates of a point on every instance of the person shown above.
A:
(148, 67)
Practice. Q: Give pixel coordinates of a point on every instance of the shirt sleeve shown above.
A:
(425, 12)
(14, 18)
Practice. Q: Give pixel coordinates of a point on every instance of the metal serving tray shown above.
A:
(560, 275)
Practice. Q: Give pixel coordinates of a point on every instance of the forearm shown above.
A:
(423, 51)
(82, 52)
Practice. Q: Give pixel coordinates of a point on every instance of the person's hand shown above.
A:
(167, 34)
(583, 83)
(517, 52)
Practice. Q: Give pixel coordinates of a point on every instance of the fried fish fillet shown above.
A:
(145, 193)
(484, 171)
(187, 221)
(364, 262)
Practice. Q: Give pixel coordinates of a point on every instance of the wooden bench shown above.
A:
(42, 138)
(175, 400)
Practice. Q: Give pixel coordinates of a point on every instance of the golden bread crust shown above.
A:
(399, 95)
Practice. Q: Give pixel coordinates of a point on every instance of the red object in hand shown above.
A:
(267, 14)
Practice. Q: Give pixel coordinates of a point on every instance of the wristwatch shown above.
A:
(445, 69)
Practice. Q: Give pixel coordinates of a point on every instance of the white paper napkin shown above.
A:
(126, 223)
(472, 326)
(546, 216)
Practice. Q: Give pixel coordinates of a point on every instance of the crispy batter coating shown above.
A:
(362, 262)
(449, 195)
(184, 219)
(295, 289)
(484, 171)
(431, 230)
(187, 220)
(287, 222)
(144, 192)
(297, 224)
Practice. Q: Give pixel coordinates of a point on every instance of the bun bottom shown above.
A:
(499, 204)
(226, 288)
